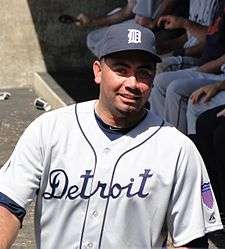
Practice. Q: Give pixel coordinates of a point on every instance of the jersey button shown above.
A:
(106, 150)
(95, 213)
(90, 245)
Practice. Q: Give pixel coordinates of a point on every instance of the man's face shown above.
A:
(125, 80)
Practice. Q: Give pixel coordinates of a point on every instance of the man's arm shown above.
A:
(194, 51)
(164, 47)
(9, 228)
(165, 8)
(207, 92)
(123, 14)
(192, 28)
(213, 66)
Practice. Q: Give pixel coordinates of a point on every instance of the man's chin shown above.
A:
(126, 110)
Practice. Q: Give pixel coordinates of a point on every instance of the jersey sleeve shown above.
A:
(20, 176)
(13, 207)
(193, 210)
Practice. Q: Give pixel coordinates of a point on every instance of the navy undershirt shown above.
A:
(113, 132)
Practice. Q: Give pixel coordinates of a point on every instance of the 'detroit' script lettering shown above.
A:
(60, 187)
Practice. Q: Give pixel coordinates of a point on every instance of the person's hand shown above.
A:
(145, 21)
(205, 92)
(171, 22)
(221, 113)
(82, 20)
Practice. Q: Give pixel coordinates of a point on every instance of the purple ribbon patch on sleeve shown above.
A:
(207, 196)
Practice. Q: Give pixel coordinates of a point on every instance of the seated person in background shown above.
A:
(94, 38)
(115, 16)
(203, 99)
(150, 11)
(134, 9)
(187, 48)
(210, 141)
(171, 91)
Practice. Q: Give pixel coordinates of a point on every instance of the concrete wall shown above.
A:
(32, 39)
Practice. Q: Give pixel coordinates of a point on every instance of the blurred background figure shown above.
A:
(169, 97)
(186, 49)
(144, 12)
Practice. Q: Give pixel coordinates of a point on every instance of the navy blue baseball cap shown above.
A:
(128, 36)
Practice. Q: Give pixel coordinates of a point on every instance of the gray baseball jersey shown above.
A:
(92, 192)
(147, 8)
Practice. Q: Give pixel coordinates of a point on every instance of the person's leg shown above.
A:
(219, 145)
(161, 83)
(174, 63)
(206, 126)
(177, 95)
(95, 37)
(158, 93)
(199, 243)
(194, 110)
(184, 83)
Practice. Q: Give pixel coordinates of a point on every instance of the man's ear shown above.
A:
(97, 69)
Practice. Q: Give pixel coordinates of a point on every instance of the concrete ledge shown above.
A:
(46, 87)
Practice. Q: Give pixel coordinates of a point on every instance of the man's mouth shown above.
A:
(130, 96)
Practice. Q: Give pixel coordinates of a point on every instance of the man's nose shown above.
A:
(131, 82)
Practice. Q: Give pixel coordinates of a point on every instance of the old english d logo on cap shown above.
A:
(127, 36)
(134, 36)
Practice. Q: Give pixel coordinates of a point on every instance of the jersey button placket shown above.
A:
(95, 213)
(90, 245)
(106, 150)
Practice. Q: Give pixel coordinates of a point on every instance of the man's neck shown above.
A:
(119, 120)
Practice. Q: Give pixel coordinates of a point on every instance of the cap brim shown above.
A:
(154, 56)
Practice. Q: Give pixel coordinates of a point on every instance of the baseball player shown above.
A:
(108, 173)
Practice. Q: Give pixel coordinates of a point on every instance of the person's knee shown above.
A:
(191, 109)
(160, 81)
(169, 64)
(173, 89)
(162, 67)
(179, 87)
(201, 125)
(219, 136)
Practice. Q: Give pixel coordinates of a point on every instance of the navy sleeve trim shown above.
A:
(13, 207)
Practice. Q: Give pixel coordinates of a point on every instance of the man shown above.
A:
(145, 12)
(107, 173)
(171, 90)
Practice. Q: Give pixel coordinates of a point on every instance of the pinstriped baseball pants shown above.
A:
(169, 96)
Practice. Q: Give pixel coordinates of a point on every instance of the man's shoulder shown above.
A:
(57, 113)
(168, 133)
(67, 111)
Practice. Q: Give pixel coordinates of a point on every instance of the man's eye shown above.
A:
(121, 71)
(144, 74)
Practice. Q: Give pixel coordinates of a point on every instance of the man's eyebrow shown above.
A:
(148, 66)
(120, 64)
